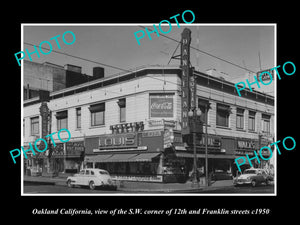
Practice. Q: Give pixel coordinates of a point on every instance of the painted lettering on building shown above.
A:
(161, 105)
(125, 140)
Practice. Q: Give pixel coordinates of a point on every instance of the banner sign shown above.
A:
(157, 178)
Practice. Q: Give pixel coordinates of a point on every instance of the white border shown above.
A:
(151, 24)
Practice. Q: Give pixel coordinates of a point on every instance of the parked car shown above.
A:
(92, 178)
(253, 176)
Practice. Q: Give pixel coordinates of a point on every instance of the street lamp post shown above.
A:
(194, 115)
(206, 140)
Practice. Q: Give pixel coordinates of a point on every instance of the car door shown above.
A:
(87, 177)
(80, 177)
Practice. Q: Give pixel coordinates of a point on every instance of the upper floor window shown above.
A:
(240, 118)
(35, 124)
(122, 105)
(223, 113)
(265, 123)
(97, 114)
(251, 121)
(204, 106)
(78, 117)
(62, 119)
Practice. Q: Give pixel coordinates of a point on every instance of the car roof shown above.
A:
(95, 169)
(254, 168)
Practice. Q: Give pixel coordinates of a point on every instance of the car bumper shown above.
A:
(241, 182)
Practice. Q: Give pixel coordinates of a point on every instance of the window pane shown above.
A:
(222, 119)
(62, 123)
(35, 126)
(222, 115)
(239, 121)
(240, 118)
(78, 117)
(122, 114)
(97, 118)
(251, 124)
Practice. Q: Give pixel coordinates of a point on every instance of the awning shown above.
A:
(210, 156)
(120, 158)
(97, 158)
(126, 157)
(145, 157)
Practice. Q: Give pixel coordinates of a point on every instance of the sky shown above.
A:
(115, 45)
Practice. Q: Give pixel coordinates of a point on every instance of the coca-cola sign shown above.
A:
(161, 105)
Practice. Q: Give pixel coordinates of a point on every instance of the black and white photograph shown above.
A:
(165, 120)
(168, 113)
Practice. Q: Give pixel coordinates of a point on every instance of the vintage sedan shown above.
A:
(252, 176)
(92, 178)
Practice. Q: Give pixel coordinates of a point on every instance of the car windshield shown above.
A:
(103, 172)
(250, 172)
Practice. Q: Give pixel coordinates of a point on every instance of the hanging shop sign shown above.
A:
(116, 141)
(212, 142)
(185, 79)
(172, 137)
(161, 105)
(75, 148)
(246, 144)
(44, 112)
(166, 124)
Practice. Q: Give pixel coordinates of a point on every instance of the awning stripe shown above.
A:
(134, 157)
(145, 157)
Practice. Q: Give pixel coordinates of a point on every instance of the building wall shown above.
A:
(137, 91)
(234, 101)
(44, 76)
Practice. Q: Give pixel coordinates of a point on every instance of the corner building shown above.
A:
(130, 125)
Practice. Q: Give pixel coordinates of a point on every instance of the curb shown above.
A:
(39, 182)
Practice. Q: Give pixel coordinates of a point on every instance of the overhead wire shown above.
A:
(204, 52)
(126, 70)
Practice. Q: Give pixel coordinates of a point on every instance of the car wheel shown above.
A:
(92, 185)
(253, 183)
(69, 183)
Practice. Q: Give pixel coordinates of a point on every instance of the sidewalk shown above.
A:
(137, 187)
(172, 187)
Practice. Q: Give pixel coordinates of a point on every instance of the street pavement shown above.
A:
(58, 185)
